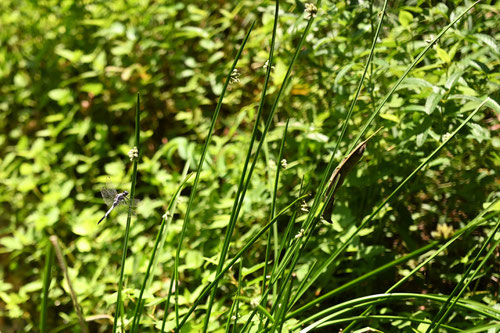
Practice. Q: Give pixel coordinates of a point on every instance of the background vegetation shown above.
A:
(69, 74)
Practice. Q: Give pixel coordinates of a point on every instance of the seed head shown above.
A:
(133, 154)
(284, 163)
(310, 10)
(235, 76)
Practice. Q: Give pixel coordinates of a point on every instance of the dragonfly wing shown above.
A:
(132, 207)
(109, 195)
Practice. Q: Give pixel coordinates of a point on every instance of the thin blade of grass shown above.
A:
(200, 166)
(233, 312)
(47, 277)
(273, 210)
(129, 215)
(140, 304)
(64, 268)
(170, 215)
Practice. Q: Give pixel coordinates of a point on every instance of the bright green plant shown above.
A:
(414, 223)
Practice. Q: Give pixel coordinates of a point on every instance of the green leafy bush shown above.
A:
(69, 75)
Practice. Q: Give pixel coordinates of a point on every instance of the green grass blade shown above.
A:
(233, 312)
(240, 194)
(170, 215)
(200, 166)
(129, 216)
(47, 277)
(64, 268)
(140, 304)
(273, 210)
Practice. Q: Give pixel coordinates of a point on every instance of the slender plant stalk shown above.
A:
(64, 268)
(170, 216)
(47, 277)
(273, 210)
(240, 194)
(129, 216)
(233, 312)
(140, 303)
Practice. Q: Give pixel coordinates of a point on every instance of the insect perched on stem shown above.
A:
(340, 173)
(114, 199)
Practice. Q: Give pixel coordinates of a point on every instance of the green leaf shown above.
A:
(479, 133)
(432, 102)
(92, 88)
(11, 244)
(391, 117)
(421, 137)
(442, 54)
(405, 18)
(489, 41)
(61, 95)
(72, 56)
(452, 80)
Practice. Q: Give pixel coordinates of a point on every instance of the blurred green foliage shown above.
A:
(69, 72)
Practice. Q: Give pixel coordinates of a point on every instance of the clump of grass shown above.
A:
(279, 287)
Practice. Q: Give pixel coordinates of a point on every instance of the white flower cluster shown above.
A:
(300, 234)
(266, 65)
(284, 163)
(304, 207)
(133, 154)
(235, 76)
(310, 10)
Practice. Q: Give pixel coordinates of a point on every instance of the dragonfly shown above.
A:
(114, 199)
